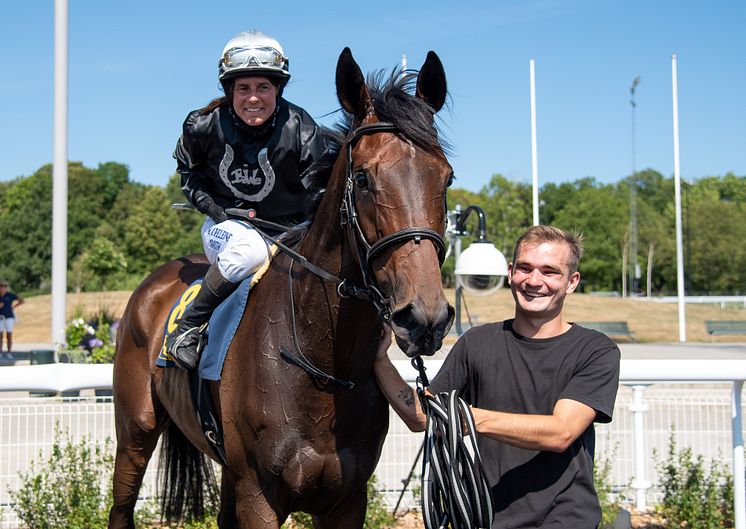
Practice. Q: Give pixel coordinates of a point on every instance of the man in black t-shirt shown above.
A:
(535, 385)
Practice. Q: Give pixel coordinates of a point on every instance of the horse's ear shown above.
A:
(431, 82)
(351, 90)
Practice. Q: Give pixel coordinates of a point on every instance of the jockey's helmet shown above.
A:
(253, 53)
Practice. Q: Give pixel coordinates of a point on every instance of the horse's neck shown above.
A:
(345, 326)
(323, 245)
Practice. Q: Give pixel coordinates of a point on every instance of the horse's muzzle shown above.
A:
(419, 332)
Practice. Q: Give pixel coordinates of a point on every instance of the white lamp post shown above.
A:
(481, 268)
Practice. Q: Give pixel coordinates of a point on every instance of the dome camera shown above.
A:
(481, 268)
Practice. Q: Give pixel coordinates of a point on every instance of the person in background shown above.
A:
(249, 149)
(8, 302)
(536, 384)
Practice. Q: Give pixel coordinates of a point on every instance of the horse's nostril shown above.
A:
(405, 318)
(419, 334)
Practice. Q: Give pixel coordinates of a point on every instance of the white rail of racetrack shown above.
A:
(636, 374)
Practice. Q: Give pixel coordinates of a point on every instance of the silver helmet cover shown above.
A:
(253, 53)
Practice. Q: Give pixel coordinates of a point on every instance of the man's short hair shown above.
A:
(541, 234)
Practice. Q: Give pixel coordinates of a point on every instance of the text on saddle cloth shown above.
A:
(222, 326)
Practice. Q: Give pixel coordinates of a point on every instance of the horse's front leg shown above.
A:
(347, 514)
(253, 510)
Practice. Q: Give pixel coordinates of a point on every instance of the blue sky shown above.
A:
(136, 68)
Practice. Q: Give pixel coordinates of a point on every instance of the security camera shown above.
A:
(481, 268)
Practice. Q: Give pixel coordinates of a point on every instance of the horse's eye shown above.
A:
(451, 178)
(361, 179)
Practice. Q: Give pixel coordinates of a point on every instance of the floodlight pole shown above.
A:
(634, 276)
(59, 174)
(534, 156)
(677, 199)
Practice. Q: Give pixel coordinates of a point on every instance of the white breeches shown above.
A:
(237, 247)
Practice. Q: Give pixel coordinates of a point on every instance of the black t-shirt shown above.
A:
(494, 368)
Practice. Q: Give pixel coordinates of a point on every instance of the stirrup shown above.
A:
(178, 344)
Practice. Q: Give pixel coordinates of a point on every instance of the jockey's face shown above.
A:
(254, 99)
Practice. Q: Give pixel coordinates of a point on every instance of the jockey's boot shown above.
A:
(183, 343)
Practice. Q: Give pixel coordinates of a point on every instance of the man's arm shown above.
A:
(552, 433)
(400, 395)
(19, 301)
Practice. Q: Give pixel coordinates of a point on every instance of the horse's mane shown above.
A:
(393, 101)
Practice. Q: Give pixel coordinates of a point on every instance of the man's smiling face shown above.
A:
(540, 279)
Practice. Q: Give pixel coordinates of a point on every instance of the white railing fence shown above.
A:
(703, 415)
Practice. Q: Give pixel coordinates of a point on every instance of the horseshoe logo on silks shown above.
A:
(242, 176)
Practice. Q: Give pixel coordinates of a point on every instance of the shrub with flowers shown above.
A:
(90, 341)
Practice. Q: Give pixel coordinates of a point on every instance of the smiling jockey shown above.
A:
(248, 149)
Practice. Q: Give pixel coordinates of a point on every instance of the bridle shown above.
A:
(363, 250)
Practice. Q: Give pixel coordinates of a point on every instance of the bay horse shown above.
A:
(293, 439)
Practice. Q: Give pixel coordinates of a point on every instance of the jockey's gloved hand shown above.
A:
(205, 204)
(216, 213)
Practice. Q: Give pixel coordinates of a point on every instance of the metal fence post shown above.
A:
(640, 484)
(739, 492)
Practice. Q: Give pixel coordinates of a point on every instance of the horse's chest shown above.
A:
(320, 454)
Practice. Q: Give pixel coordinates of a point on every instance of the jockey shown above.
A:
(249, 149)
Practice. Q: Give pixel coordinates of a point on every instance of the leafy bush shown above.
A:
(65, 490)
(693, 496)
(609, 506)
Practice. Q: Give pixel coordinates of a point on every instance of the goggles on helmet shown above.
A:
(264, 57)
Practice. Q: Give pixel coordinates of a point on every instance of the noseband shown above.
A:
(363, 250)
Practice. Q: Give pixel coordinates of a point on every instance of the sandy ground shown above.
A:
(651, 322)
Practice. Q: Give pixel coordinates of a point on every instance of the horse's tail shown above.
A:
(187, 481)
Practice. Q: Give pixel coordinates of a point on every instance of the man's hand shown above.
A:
(383, 346)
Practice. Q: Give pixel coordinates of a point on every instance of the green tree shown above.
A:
(104, 259)
(553, 197)
(508, 208)
(114, 177)
(601, 215)
(152, 232)
(129, 196)
(716, 218)
(190, 221)
(26, 230)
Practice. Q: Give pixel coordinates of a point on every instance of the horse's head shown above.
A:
(394, 208)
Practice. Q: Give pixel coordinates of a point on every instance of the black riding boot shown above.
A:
(182, 343)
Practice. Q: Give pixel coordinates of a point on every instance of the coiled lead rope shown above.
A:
(455, 492)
